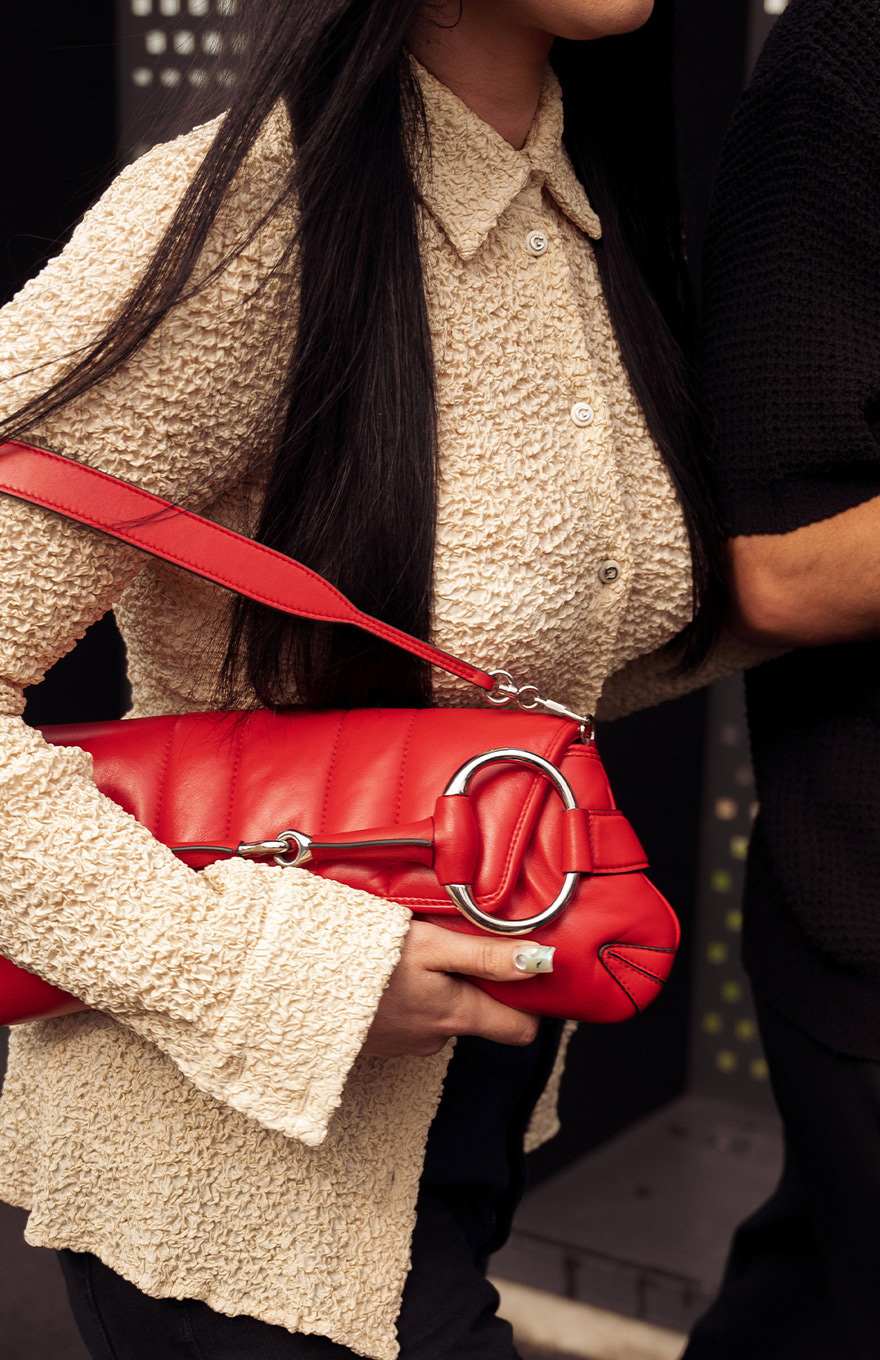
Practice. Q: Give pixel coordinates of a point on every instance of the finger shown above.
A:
(485, 956)
(483, 1015)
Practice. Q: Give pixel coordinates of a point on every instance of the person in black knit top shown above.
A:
(792, 378)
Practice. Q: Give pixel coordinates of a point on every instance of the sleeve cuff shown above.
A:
(300, 1012)
(784, 505)
(652, 679)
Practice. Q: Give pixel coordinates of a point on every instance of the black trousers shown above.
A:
(472, 1180)
(803, 1278)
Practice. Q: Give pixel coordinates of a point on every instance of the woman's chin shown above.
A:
(583, 19)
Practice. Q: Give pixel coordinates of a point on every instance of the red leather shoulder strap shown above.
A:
(196, 544)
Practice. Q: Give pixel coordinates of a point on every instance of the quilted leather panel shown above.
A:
(220, 779)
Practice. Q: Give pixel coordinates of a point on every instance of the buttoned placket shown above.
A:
(545, 203)
(587, 409)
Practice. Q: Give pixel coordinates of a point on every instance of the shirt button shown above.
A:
(609, 571)
(537, 242)
(582, 413)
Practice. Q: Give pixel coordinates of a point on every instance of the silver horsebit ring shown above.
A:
(461, 893)
(293, 849)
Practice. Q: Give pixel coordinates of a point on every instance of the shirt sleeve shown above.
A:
(259, 983)
(791, 362)
(654, 678)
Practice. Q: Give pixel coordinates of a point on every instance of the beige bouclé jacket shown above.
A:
(209, 1129)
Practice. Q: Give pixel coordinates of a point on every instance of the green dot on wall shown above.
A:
(731, 991)
(733, 919)
(746, 1030)
(721, 880)
(739, 847)
(717, 952)
(726, 1061)
(713, 1023)
(758, 1069)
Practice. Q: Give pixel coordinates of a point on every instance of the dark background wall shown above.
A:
(59, 150)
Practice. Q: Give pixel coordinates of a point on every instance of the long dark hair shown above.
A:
(351, 463)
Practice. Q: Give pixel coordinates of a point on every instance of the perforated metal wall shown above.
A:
(177, 61)
(726, 1056)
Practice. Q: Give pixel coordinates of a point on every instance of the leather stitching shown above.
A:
(399, 795)
(627, 963)
(621, 984)
(607, 950)
(606, 865)
(236, 766)
(163, 777)
(648, 948)
(332, 766)
(462, 669)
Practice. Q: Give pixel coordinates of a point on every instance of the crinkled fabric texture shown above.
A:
(209, 1130)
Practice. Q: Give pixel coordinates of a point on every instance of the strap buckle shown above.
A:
(527, 698)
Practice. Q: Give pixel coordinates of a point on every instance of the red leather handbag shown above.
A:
(477, 820)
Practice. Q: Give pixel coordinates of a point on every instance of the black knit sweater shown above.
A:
(792, 376)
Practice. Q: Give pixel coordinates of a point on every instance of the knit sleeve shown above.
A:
(259, 983)
(792, 293)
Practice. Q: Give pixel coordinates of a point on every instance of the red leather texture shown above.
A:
(331, 775)
(368, 786)
(197, 545)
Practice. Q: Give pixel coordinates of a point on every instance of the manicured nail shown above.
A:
(535, 958)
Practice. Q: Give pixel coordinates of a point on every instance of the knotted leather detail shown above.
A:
(600, 843)
(456, 839)
(594, 842)
(448, 842)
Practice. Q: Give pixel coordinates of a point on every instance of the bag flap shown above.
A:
(220, 779)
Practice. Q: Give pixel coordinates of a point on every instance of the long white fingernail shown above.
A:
(535, 958)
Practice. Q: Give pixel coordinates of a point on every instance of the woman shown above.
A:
(380, 343)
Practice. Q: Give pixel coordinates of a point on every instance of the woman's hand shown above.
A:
(427, 999)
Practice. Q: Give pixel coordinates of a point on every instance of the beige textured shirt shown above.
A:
(209, 1130)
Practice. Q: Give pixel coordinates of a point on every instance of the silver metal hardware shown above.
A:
(259, 849)
(279, 849)
(505, 688)
(303, 849)
(460, 893)
(527, 698)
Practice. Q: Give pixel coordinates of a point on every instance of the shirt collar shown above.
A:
(473, 175)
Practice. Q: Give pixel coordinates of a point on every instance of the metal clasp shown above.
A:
(290, 849)
(527, 698)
